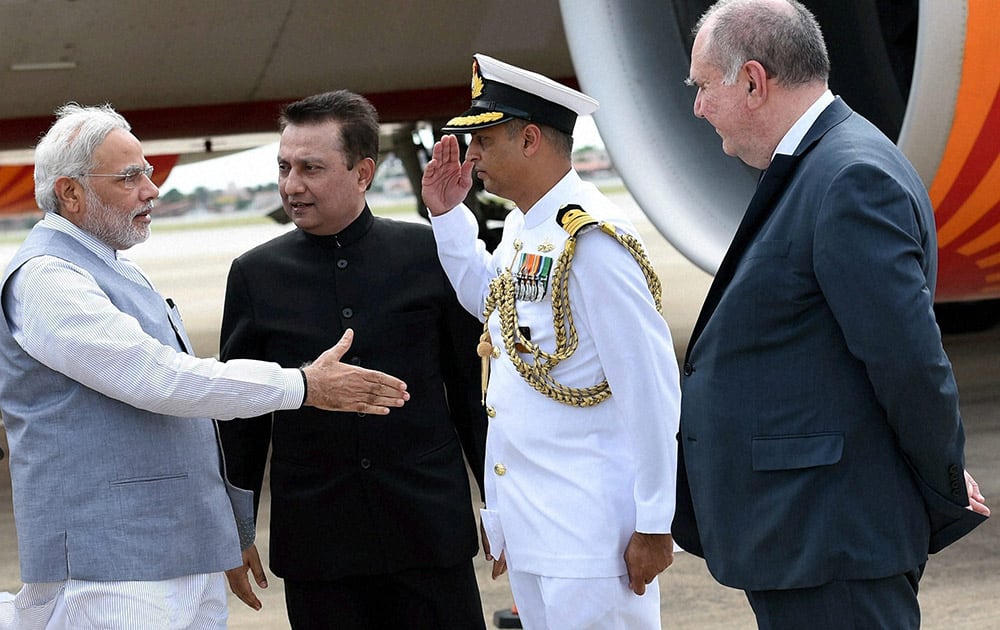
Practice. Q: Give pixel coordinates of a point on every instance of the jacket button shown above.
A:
(688, 369)
(348, 313)
(496, 352)
(366, 463)
(342, 264)
(500, 469)
(491, 412)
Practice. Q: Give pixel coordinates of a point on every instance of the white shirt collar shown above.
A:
(550, 201)
(60, 223)
(798, 131)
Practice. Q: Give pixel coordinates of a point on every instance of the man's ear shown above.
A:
(69, 194)
(531, 138)
(756, 78)
(365, 169)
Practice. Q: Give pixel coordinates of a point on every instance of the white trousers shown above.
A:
(192, 602)
(549, 603)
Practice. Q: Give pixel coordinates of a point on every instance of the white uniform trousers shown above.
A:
(191, 602)
(550, 603)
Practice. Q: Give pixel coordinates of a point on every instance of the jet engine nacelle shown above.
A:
(923, 71)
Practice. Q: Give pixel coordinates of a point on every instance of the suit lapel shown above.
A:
(769, 189)
(761, 205)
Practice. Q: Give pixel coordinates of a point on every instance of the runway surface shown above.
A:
(960, 586)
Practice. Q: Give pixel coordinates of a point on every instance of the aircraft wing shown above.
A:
(196, 69)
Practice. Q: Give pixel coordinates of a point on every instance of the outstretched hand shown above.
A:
(335, 386)
(447, 180)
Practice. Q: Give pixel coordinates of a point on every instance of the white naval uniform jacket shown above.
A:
(570, 484)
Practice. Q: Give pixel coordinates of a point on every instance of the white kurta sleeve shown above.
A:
(61, 318)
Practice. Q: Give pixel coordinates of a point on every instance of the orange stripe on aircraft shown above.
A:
(17, 184)
(964, 191)
(162, 165)
(989, 261)
(17, 189)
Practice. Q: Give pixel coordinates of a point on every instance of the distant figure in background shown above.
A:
(123, 514)
(583, 384)
(372, 523)
(821, 444)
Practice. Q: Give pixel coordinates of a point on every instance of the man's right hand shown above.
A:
(239, 582)
(977, 502)
(335, 386)
(499, 564)
(446, 179)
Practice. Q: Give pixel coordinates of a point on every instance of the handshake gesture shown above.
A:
(335, 386)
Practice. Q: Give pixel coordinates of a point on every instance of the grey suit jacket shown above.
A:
(102, 490)
(820, 433)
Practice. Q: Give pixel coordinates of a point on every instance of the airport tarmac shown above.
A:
(960, 586)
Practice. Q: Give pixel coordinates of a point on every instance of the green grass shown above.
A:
(612, 189)
(407, 206)
(214, 222)
(12, 236)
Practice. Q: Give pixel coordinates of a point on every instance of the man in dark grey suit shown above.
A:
(821, 443)
(372, 523)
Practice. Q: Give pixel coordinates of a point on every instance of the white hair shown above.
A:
(67, 149)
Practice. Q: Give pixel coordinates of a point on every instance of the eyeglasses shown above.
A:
(129, 177)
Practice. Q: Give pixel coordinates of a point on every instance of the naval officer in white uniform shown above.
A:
(582, 391)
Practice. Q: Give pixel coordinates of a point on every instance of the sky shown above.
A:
(245, 169)
(256, 167)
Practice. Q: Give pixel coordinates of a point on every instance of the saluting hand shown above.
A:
(446, 179)
(334, 386)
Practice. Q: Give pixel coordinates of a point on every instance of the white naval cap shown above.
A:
(501, 91)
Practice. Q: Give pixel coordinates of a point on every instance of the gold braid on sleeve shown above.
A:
(537, 371)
